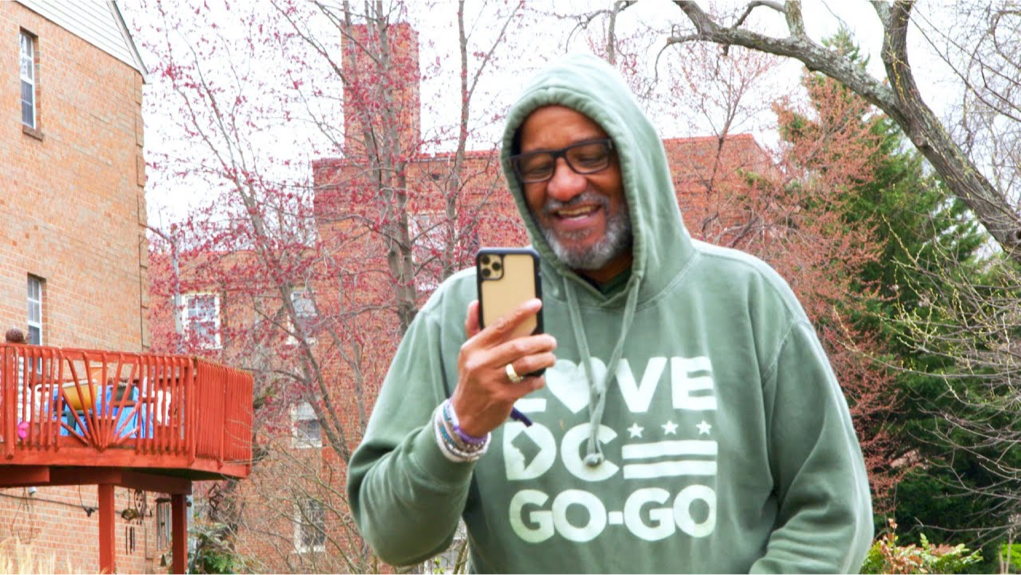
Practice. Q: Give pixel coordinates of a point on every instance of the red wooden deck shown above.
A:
(152, 422)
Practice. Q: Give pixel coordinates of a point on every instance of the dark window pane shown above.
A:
(313, 526)
(310, 432)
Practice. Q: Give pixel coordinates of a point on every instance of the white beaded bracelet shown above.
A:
(450, 444)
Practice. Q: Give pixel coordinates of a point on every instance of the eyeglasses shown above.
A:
(586, 157)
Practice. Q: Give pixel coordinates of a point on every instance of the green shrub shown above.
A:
(886, 556)
(1010, 558)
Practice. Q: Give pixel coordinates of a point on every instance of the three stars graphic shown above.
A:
(669, 428)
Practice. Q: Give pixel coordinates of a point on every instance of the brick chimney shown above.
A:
(368, 80)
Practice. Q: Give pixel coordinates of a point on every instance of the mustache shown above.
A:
(587, 197)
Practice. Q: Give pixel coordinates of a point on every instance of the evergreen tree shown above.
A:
(924, 232)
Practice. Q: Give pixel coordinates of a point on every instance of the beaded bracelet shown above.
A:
(450, 447)
(449, 442)
(455, 442)
(451, 417)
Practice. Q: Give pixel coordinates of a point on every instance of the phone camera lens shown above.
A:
(486, 272)
(485, 260)
(496, 266)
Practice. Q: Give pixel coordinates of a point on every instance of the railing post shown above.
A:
(223, 412)
(107, 531)
(7, 399)
(179, 525)
(191, 408)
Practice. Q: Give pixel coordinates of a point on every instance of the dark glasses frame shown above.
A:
(517, 160)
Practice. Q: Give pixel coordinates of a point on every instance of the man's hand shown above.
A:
(485, 395)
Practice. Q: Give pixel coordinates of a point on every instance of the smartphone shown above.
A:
(506, 278)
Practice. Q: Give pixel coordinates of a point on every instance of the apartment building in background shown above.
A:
(73, 249)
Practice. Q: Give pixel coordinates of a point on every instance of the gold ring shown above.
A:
(512, 375)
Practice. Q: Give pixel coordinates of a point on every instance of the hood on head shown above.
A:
(587, 84)
(660, 244)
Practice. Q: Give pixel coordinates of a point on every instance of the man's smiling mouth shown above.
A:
(576, 212)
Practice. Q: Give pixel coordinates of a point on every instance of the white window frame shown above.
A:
(298, 294)
(28, 40)
(186, 320)
(34, 319)
(300, 526)
(299, 439)
(35, 303)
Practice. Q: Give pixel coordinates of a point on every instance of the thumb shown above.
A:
(471, 322)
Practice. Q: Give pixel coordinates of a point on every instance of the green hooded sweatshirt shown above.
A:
(722, 443)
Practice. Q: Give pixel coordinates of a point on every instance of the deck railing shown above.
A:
(171, 410)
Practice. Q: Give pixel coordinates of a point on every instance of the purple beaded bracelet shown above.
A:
(448, 411)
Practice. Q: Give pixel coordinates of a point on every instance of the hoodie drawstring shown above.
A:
(598, 386)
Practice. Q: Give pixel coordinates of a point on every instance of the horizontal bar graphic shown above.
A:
(669, 469)
(669, 448)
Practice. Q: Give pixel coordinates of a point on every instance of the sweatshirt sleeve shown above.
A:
(406, 497)
(824, 520)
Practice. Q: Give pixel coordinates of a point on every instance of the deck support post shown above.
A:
(107, 531)
(178, 511)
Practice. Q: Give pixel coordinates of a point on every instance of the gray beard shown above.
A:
(614, 243)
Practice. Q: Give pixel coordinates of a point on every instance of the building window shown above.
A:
(306, 432)
(201, 319)
(305, 310)
(164, 524)
(28, 92)
(35, 310)
(309, 525)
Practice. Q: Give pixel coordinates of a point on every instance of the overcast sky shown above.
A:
(543, 36)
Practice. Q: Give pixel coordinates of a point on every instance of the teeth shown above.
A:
(575, 212)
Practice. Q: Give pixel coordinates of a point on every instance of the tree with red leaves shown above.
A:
(312, 275)
(828, 153)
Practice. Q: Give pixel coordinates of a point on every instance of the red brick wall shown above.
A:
(54, 521)
(72, 208)
(72, 212)
(360, 88)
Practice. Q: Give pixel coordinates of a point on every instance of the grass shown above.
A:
(21, 559)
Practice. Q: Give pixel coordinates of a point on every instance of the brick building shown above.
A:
(73, 255)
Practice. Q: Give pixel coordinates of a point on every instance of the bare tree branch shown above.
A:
(900, 100)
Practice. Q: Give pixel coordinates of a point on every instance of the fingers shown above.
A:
(533, 363)
(501, 330)
(526, 354)
(471, 321)
(504, 327)
(536, 383)
(485, 395)
(491, 348)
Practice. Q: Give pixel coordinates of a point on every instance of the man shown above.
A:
(688, 419)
